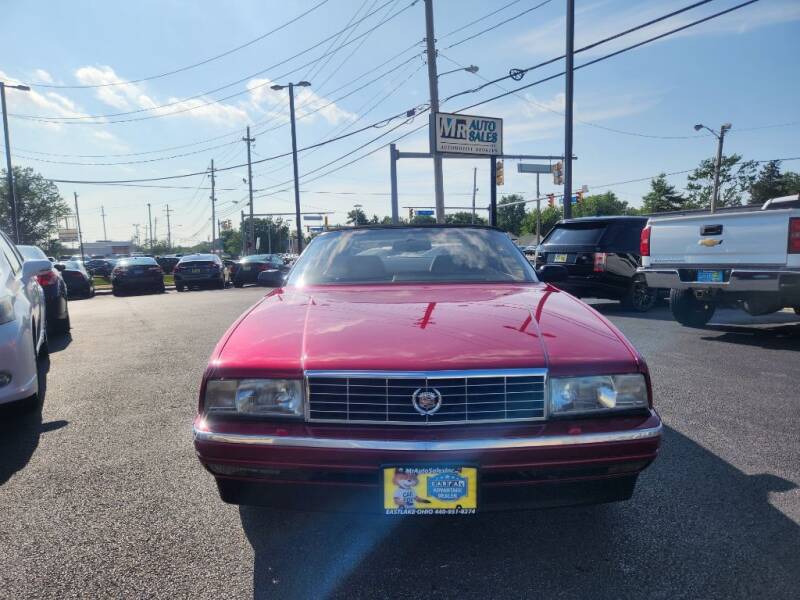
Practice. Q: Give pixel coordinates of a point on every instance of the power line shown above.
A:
(103, 119)
(237, 132)
(493, 27)
(480, 19)
(519, 73)
(604, 57)
(192, 66)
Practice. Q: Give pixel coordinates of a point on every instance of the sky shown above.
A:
(187, 78)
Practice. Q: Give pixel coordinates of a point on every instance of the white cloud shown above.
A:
(128, 96)
(35, 103)
(598, 21)
(42, 76)
(308, 104)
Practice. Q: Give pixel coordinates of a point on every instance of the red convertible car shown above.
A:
(423, 370)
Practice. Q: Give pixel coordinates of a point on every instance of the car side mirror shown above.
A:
(59, 267)
(31, 268)
(552, 273)
(271, 278)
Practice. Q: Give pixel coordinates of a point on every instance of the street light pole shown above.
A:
(569, 76)
(12, 192)
(718, 164)
(294, 159)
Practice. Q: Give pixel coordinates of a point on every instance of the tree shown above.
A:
(271, 236)
(357, 217)
(231, 242)
(463, 218)
(736, 178)
(662, 197)
(550, 216)
(600, 205)
(771, 183)
(422, 220)
(509, 218)
(39, 206)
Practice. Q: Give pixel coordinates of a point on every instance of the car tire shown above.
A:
(640, 297)
(797, 310)
(238, 284)
(688, 310)
(115, 291)
(179, 287)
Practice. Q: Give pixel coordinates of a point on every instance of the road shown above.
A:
(101, 495)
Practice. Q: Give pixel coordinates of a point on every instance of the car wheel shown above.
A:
(688, 310)
(797, 310)
(238, 284)
(115, 291)
(178, 287)
(640, 297)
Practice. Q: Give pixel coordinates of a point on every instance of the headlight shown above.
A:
(580, 395)
(258, 397)
(6, 309)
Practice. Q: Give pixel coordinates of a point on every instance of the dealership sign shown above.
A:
(466, 134)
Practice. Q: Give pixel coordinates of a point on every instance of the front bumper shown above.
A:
(531, 464)
(736, 280)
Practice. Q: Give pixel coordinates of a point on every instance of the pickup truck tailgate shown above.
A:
(749, 238)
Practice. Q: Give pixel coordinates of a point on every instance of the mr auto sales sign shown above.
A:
(466, 134)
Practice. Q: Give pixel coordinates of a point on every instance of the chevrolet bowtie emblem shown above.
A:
(708, 243)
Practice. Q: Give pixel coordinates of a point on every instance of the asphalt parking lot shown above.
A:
(101, 495)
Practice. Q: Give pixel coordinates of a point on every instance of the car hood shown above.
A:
(430, 327)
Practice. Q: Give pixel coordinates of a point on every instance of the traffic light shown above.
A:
(580, 197)
(499, 178)
(551, 200)
(558, 173)
(326, 221)
(410, 214)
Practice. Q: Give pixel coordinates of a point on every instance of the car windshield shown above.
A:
(411, 254)
(31, 253)
(260, 258)
(143, 260)
(576, 233)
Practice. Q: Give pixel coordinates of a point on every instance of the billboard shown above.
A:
(466, 134)
(68, 235)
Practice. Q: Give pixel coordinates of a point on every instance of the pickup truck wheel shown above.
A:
(797, 310)
(688, 310)
(640, 297)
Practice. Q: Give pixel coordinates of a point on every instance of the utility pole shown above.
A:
(538, 212)
(213, 206)
(242, 235)
(136, 235)
(493, 191)
(251, 230)
(474, 190)
(433, 84)
(103, 214)
(718, 164)
(169, 228)
(150, 221)
(12, 190)
(570, 73)
(78, 220)
(155, 230)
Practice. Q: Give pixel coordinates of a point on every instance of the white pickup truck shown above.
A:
(749, 260)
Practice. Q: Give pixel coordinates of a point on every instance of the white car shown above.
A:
(22, 323)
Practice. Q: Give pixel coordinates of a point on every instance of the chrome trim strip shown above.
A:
(427, 374)
(428, 446)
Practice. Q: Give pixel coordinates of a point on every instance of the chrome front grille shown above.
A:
(387, 397)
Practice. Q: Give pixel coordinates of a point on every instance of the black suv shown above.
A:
(601, 255)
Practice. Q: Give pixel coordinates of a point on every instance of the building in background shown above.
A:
(106, 248)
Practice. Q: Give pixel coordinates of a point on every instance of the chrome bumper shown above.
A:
(440, 445)
(741, 280)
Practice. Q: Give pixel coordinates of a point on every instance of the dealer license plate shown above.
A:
(196, 270)
(710, 277)
(430, 490)
(245, 267)
(560, 258)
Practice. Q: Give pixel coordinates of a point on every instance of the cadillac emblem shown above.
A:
(426, 401)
